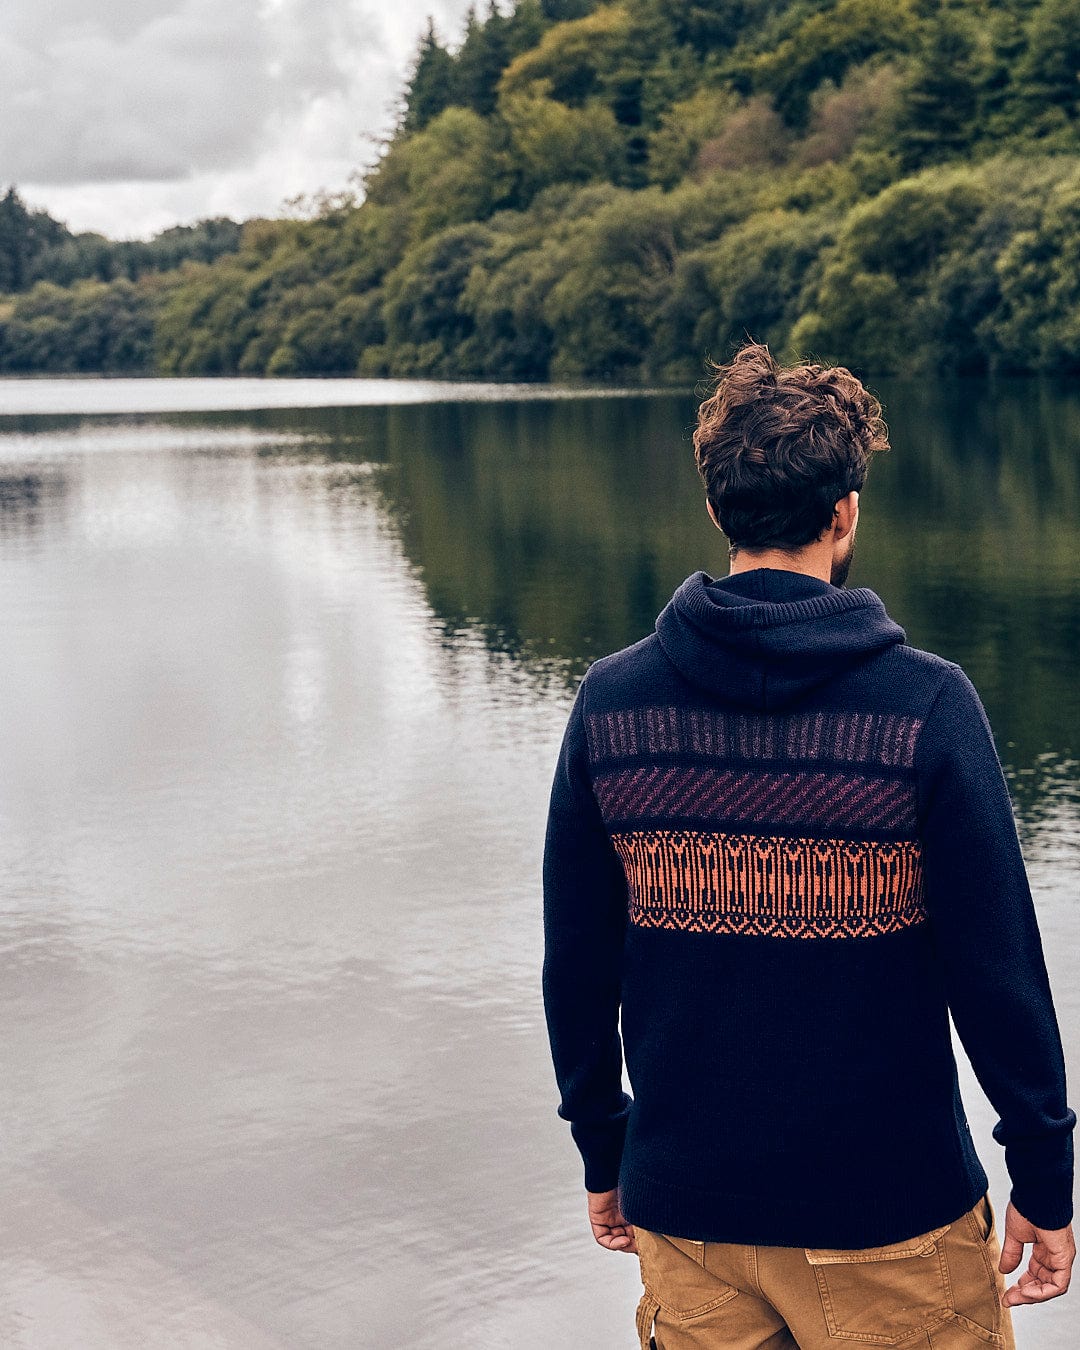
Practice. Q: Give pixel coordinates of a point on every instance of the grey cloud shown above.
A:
(159, 90)
(120, 18)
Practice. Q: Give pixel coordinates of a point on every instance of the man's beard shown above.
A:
(841, 569)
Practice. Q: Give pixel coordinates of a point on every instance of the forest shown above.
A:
(583, 191)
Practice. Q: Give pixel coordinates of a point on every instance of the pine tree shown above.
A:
(14, 254)
(525, 26)
(940, 102)
(431, 87)
(1049, 70)
(1007, 44)
(483, 57)
(23, 235)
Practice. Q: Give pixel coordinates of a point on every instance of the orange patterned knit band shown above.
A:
(712, 882)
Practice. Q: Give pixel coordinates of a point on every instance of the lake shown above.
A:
(285, 669)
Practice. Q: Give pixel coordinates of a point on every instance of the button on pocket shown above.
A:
(881, 1295)
(673, 1274)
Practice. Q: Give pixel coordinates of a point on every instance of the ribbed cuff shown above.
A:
(601, 1146)
(1044, 1211)
(1042, 1179)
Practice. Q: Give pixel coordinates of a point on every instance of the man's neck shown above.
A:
(814, 562)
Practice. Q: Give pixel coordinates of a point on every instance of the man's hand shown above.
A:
(609, 1227)
(1050, 1267)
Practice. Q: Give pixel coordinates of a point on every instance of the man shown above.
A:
(781, 842)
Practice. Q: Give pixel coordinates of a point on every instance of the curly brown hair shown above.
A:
(778, 447)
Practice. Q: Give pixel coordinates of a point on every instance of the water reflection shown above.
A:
(283, 692)
(23, 506)
(560, 529)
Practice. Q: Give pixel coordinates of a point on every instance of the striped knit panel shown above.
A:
(853, 737)
(800, 825)
(833, 799)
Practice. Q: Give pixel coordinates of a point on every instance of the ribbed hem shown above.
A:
(889, 1214)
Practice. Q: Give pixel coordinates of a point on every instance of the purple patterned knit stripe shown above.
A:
(833, 799)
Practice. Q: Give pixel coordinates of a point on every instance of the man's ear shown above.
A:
(712, 513)
(847, 511)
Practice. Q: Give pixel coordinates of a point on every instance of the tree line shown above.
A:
(610, 191)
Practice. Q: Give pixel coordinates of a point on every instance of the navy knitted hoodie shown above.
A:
(781, 846)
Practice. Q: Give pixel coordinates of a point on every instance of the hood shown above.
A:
(763, 638)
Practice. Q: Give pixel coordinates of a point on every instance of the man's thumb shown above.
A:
(1012, 1249)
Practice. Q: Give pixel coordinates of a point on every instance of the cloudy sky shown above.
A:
(126, 116)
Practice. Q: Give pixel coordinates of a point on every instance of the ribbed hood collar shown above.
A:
(765, 637)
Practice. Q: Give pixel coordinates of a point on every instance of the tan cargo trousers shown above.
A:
(938, 1291)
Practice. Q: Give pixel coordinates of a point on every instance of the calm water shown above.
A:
(282, 695)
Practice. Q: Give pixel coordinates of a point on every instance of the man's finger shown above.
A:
(1033, 1290)
(615, 1240)
(1033, 1293)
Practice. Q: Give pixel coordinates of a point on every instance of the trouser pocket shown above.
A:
(882, 1295)
(973, 1251)
(674, 1275)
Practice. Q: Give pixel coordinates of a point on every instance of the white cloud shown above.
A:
(158, 111)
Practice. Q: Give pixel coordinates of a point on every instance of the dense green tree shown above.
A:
(686, 126)
(870, 301)
(1038, 271)
(35, 247)
(427, 327)
(90, 326)
(558, 11)
(504, 294)
(616, 274)
(823, 45)
(572, 59)
(456, 169)
(755, 276)
(707, 27)
(553, 143)
(327, 337)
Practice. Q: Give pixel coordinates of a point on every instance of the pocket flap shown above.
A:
(891, 1251)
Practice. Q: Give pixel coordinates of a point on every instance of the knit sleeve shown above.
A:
(584, 923)
(988, 937)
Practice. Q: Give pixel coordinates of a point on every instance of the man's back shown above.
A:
(818, 856)
(781, 849)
